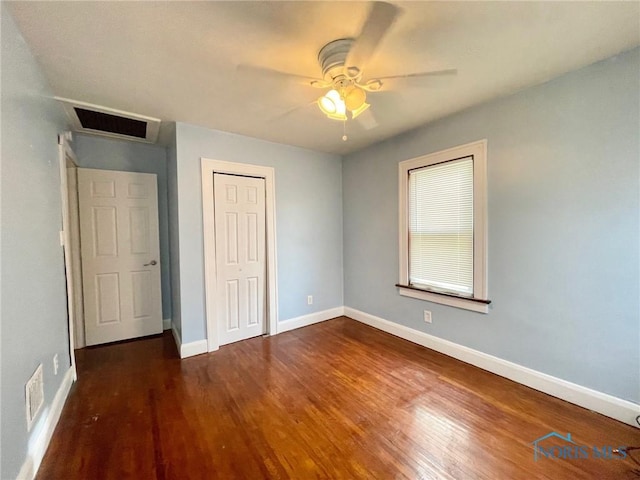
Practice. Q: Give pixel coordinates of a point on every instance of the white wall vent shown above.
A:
(107, 122)
(34, 395)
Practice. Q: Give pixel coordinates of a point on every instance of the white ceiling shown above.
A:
(178, 60)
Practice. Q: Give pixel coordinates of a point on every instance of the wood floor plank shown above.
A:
(336, 400)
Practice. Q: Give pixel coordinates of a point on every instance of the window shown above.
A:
(443, 227)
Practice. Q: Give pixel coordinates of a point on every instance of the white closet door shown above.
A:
(239, 209)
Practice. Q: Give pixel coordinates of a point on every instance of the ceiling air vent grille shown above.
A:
(97, 120)
(105, 122)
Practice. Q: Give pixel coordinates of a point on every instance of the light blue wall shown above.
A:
(563, 166)
(108, 154)
(308, 221)
(34, 305)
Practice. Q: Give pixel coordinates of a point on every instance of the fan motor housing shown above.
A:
(333, 56)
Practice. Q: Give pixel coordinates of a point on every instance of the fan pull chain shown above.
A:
(344, 130)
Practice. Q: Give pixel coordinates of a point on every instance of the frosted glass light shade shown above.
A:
(327, 105)
(354, 97)
(332, 105)
(358, 111)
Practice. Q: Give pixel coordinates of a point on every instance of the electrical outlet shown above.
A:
(310, 300)
(55, 364)
(427, 316)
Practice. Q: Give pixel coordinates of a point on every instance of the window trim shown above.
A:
(478, 150)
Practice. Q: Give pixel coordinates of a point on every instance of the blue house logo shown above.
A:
(553, 451)
(564, 447)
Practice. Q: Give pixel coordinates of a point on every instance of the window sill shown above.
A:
(475, 305)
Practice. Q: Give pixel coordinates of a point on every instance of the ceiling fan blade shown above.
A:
(433, 73)
(381, 17)
(270, 74)
(367, 119)
(291, 111)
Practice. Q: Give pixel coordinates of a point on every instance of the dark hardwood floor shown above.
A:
(335, 400)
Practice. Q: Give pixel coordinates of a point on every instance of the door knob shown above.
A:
(152, 262)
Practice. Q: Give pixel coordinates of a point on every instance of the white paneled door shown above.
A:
(120, 255)
(239, 210)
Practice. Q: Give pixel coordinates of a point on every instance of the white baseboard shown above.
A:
(310, 319)
(42, 432)
(176, 337)
(603, 403)
(166, 324)
(193, 348)
(189, 349)
(201, 346)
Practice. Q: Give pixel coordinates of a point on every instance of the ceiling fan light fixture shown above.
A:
(354, 97)
(337, 116)
(355, 113)
(327, 105)
(332, 105)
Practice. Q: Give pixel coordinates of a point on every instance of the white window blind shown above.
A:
(441, 227)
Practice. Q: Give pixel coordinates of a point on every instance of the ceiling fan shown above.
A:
(343, 62)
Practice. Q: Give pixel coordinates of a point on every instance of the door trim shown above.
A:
(66, 152)
(209, 167)
(76, 260)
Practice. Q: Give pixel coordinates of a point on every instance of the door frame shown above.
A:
(66, 153)
(209, 167)
(76, 260)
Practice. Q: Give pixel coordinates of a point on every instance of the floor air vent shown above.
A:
(34, 395)
(97, 120)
